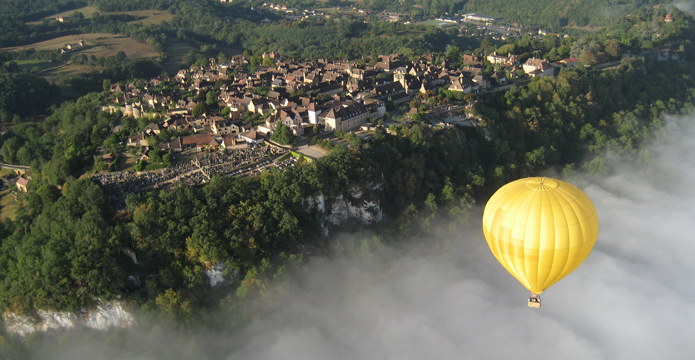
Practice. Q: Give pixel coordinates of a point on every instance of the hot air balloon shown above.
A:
(540, 229)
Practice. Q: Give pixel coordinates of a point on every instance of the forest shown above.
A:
(569, 122)
(556, 15)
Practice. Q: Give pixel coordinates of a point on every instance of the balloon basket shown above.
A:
(534, 302)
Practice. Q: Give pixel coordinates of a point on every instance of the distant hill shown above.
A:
(556, 14)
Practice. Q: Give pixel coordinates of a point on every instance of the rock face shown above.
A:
(215, 274)
(104, 316)
(360, 204)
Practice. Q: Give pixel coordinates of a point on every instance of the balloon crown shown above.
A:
(542, 184)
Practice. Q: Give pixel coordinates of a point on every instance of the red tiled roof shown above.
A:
(196, 139)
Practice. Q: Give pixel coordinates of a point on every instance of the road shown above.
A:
(14, 167)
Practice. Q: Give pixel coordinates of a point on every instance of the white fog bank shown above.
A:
(633, 298)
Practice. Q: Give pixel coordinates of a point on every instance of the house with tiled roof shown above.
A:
(382, 92)
(461, 84)
(22, 184)
(346, 117)
(196, 141)
(230, 143)
(251, 137)
(538, 67)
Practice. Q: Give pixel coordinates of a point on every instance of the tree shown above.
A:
(587, 58)
(506, 49)
(222, 57)
(199, 109)
(612, 48)
(10, 149)
(121, 56)
(106, 84)
(268, 62)
(282, 134)
(453, 53)
(211, 98)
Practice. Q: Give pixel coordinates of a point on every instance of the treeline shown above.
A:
(25, 95)
(418, 7)
(15, 32)
(574, 118)
(554, 15)
(640, 31)
(117, 71)
(36, 9)
(62, 146)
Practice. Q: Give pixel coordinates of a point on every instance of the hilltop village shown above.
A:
(301, 95)
(224, 119)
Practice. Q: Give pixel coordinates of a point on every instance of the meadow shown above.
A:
(146, 17)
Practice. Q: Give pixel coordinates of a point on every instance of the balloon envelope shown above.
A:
(540, 229)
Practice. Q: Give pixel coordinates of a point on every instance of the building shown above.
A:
(346, 117)
(538, 68)
(22, 184)
(476, 17)
(508, 60)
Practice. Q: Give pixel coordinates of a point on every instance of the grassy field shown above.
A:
(147, 17)
(177, 55)
(87, 11)
(8, 205)
(98, 44)
(29, 65)
(126, 163)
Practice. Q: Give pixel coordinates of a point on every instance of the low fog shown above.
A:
(633, 298)
(686, 6)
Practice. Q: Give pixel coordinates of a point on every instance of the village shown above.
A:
(220, 119)
(309, 98)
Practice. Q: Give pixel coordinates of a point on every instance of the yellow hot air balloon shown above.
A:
(540, 229)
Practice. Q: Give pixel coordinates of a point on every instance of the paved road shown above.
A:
(606, 65)
(507, 87)
(14, 167)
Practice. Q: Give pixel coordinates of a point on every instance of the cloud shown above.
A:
(633, 298)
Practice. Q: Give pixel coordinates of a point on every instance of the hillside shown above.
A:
(556, 14)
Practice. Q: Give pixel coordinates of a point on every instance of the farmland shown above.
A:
(99, 45)
(146, 17)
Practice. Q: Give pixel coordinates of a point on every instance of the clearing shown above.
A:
(87, 11)
(99, 45)
(177, 56)
(8, 205)
(147, 17)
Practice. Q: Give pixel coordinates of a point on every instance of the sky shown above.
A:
(633, 297)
